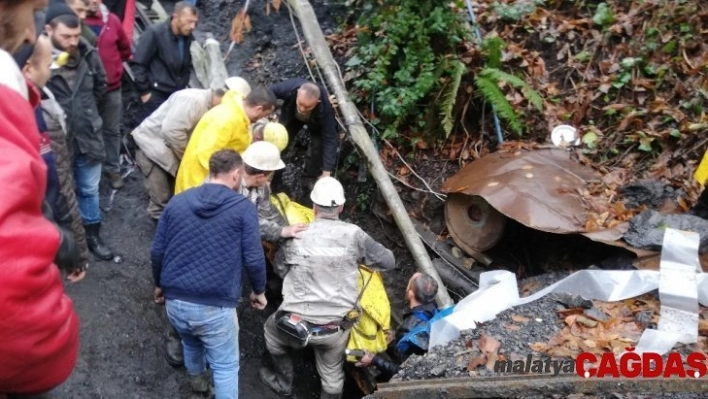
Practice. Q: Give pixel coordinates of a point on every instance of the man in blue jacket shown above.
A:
(204, 239)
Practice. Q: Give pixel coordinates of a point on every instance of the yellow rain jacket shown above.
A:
(225, 126)
(369, 332)
(701, 174)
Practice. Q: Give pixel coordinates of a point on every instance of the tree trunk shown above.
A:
(320, 49)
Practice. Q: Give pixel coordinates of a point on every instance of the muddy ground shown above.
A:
(122, 330)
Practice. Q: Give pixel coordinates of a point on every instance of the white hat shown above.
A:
(328, 191)
(263, 155)
(238, 84)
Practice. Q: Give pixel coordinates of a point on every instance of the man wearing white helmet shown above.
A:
(320, 295)
(162, 139)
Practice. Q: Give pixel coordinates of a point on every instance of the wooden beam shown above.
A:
(320, 49)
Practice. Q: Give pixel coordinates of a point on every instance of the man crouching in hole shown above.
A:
(204, 239)
(320, 295)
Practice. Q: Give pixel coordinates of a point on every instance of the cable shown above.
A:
(473, 19)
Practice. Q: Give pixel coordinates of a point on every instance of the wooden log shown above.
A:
(320, 49)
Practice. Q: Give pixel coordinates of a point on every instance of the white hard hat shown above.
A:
(328, 191)
(238, 84)
(276, 133)
(263, 155)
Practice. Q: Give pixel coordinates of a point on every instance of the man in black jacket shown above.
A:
(410, 336)
(306, 104)
(79, 85)
(162, 61)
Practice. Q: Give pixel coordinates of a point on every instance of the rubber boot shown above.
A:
(325, 395)
(700, 209)
(95, 243)
(279, 380)
(173, 348)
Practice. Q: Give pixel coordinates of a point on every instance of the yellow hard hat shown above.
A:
(276, 133)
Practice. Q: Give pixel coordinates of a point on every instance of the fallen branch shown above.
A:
(320, 50)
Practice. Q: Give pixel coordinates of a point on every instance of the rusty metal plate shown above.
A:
(473, 224)
(537, 188)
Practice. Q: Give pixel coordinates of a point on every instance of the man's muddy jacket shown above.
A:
(79, 86)
(270, 220)
(163, 136)
(320, 269)
(39, 330)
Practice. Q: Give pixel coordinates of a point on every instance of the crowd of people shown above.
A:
(208, 158)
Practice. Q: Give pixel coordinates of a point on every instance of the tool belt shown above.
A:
(300, 331)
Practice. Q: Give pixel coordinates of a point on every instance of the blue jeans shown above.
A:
(87, 174)
(209, 335)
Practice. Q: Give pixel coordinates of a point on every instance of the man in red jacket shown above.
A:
(39, 331)
(113, 48)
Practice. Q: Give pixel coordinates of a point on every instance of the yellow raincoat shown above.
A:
(701, 174)
(225, 126)
(368, 334)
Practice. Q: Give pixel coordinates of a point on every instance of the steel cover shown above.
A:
(472, 222)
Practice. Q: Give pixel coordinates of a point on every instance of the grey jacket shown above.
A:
(79, 100)
(270, 220)
(163, 136)
(319, 270)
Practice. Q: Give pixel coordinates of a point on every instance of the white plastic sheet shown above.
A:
(680, 281)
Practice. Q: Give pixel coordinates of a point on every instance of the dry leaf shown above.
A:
(513, 327)
(538, 347)
(476, 362)
(519, 319)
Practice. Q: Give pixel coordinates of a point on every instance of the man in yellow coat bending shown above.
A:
(225, 126)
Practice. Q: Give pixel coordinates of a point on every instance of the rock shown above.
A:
(571, 301)
(586, 322)
(596, 315)
(646, 230)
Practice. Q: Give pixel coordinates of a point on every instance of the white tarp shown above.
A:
(681, 283)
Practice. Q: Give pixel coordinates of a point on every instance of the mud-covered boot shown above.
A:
(279, 380)
(325, 395)
(700, 209)
(200, 383)
(173, 348)
(95, 243)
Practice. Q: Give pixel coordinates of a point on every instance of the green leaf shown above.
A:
(645, 144)
(583, 56)
(354, 61)
(669, 47)
(603, 15)
(590, 139)
(493, 94)
(675, 133)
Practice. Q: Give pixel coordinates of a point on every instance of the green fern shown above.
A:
(489, 88)
(493, 46)
(448, 97)
(531, 95)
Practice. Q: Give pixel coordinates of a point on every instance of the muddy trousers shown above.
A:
(329, 354)
(159, 184)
